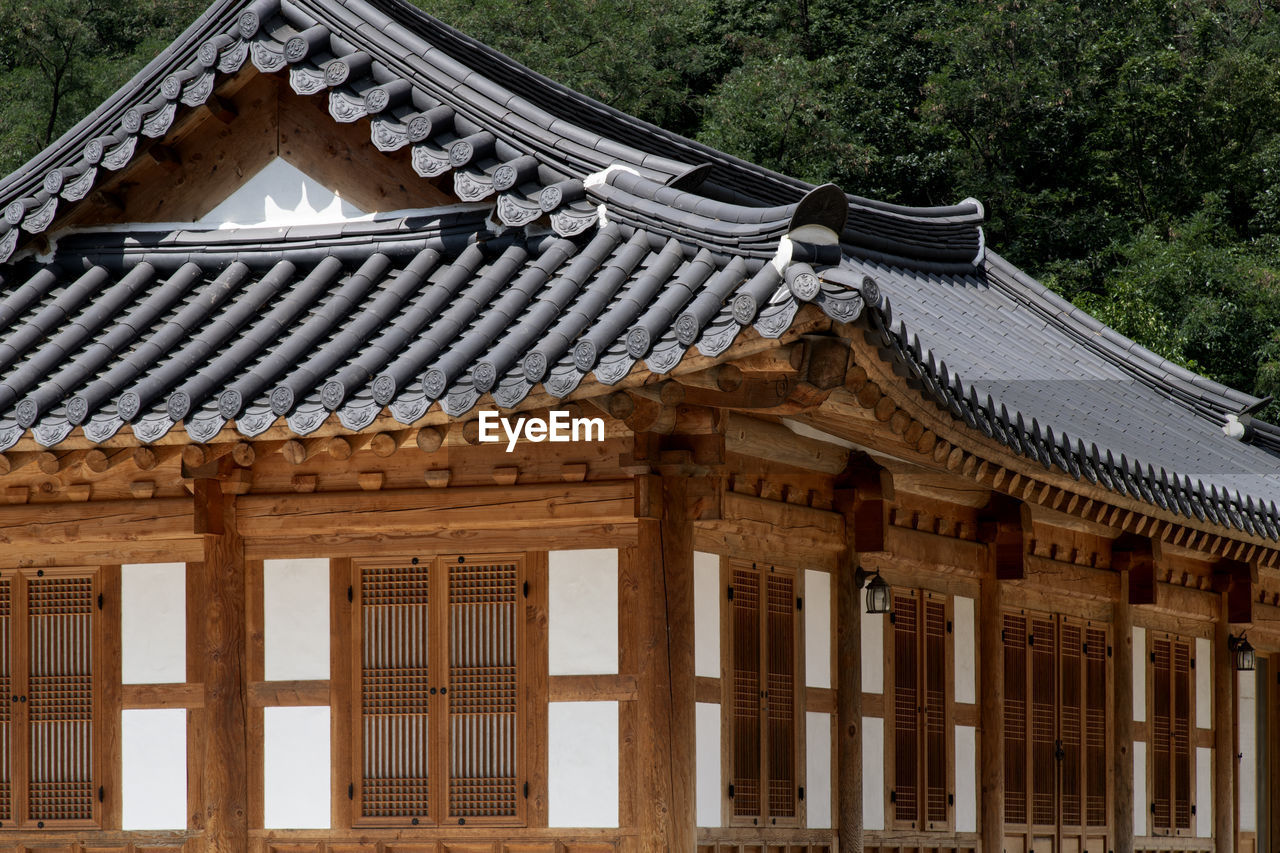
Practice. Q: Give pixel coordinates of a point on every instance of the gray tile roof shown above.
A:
(592, 242)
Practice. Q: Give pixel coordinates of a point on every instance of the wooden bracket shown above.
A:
(861, 497)
(1236, 579)
(1004, 524)
(1136, 555)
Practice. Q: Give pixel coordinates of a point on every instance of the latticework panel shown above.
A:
(1161, 728)
(935, 711)
(483, 690)
(394, 690)
(906, 704)
(1043, 645)
(1015, 718)
(780, 694)
(6, 712)
(1071, 709)
(60, 698)
(745, 610)
(1181, 735)
(1095, 727)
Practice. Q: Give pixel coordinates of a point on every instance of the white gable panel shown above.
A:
(281, 194)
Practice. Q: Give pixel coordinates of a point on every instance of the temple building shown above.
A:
(402, 453)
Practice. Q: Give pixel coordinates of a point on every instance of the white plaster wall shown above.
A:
(1139, 662)
(1140, 802)
(707, 762)
(1204, 791)
(295, 753)
(872, 650)
(966, 680)
(1247, 746)
(280, 194)
(153, 615)
(1204, 684)
(966, 779)
(582, 764)
(817, 789)
(872, 773)
(706, 621)
(582, 631)
(153, 753)
(295, 630)
(817, 629)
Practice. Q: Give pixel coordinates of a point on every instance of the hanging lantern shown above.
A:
(1243, 654)
(878, 595)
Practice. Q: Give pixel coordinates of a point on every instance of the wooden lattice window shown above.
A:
(920, 794)
(50, 722)
(763, 663)
(440, 691)
(1055, 721)
(1172, 802)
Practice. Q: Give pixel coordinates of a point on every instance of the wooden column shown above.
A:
(991, 718)
(1122, 714)
(224, 765)
(656, 600)
(864, 513)
(1224, 731)
(849, 706)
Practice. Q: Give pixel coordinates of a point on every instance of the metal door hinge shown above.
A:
(351, 594)
(731, 592)
(731, 792)
(351, 790)
(100, 601)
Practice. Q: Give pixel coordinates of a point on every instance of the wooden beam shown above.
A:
(818, 526)
(408, 510)
(1136, 556)
(1004, 525)
(774, 442)
(44, 525)
(285, 694)
(1122, 804)
(162, 696)
(592, 688)
(225, 767)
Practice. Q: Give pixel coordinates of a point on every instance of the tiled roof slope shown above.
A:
(591, 242)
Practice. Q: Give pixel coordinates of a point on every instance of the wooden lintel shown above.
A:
(283, 694)
(815, 526)
(774, 442)
(591, 688)
(148, 696)
(48, 525)
(407, 510)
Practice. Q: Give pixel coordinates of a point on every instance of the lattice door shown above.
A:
(780, 693)
(906, 707)
(6, 713)
(484, 691)
(744, 610)
(395, 684)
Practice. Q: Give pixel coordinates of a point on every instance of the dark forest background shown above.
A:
(1127, 151)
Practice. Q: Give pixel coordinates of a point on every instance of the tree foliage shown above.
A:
(1127, 152)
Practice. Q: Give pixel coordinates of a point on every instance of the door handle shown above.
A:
(1058, 752)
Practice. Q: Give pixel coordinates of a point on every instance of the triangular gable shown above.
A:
(281, 194)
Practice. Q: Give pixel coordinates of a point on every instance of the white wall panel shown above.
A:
(1139, 663)
(707, 762)
(295, 629)
(153, 615)
(1140, 802)
(153, 752)
(817, 628)
(280, 194)
(295, 757)
(1204, 684)
(872, 649)
(1247, 746)
(966, 663)
(872, 773)
(817, 790)
(583, 612)
(1204, 791)
(582, 764)
(706, 618)
(966, 779)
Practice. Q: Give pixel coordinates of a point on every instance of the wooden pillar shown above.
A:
(991, 718)
(1122, 714)
(849, 706)
(224, 767)
(656, 600)
(864, 514)
(1224, 732)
